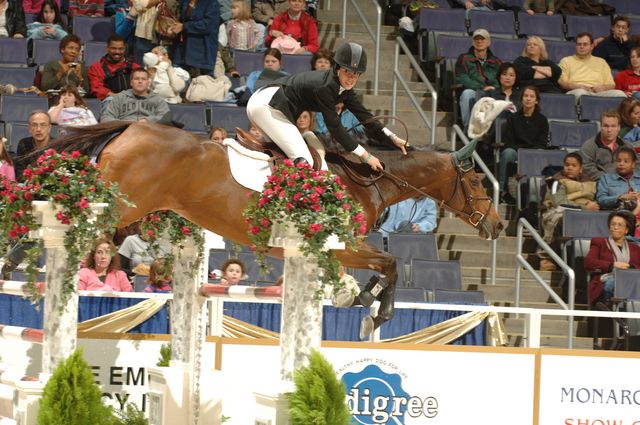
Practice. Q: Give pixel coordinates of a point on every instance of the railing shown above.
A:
(375, 36)
(521, 261)
(457, 132)
(397, 76)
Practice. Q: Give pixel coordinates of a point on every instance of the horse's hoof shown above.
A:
(343, 299)
(366, 327)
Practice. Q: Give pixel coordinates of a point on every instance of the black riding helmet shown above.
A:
(351, 56)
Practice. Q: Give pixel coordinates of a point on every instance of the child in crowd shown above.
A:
(322, 60)
(165, 82)
(218, 134)
(255, 132)
(48, 23)
(232, 272)
(242, 31)
(6, 164)
(160, 280)
(71, 109)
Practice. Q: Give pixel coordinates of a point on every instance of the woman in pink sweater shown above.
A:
(102, 269)
(6, 164)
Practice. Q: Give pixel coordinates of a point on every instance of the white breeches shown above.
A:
(275, 125)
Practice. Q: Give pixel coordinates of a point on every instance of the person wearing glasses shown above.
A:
(40, 131)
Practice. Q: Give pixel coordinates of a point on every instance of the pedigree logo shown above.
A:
(377, 397)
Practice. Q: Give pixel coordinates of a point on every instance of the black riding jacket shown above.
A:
(319, 91)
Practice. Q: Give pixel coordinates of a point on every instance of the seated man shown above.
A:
(111, 74)
(137, 103)
(417, 215)
(476, 69)
(40, 131)
(616, 48)
(584, 73)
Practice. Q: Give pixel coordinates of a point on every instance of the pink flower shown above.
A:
(362, 229)
(75, 154)
(281, 195)
(264, 222)
(319, 190)
(83, 203)
(315, 198)
(359, 218)
(315, 228)
(185, 230)
(339, 196)
(288, 206)
(151, 233)
(288, 162)
(28, 174)
(346, 206)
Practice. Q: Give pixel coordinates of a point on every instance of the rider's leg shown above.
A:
(276, 125)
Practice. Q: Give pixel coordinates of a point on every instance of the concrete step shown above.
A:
(559, 328)
(552, 341)
(480, 258)
(353, 18)
(506, 293)
(403, 104)
(454, 225)
(473, 242)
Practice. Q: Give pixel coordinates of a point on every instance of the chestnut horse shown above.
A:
(165, 168)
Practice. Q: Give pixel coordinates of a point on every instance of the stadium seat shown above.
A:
(597, 26)
(45, 51)
(228, 116)
(434, 22)
(93, 51)
(626, 285)
(407, 246)
(375, 239)
(19, 77)
(531, 162)
(450, 47)
(217, 257)
(566, 134)
(411, 295)
(592, 106)
(14, 132)
(560, 49)
(452, 296)
(247, 62)
(436, 274)
(13, 51)
(95, 105)
(294, 64)
(506, 49)
(497, 22)
(622, 6)
(93, 29)
(29, 18)
(18, 108)
(585, 224)
(558, 106)
(192, 115)
(633, 8)
(140, 282)
(546, 27)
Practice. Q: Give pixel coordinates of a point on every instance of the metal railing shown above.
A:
(397, 76)
(457, 132)
(375, 36)
(521, 261)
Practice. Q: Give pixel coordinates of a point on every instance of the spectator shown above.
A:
(345, 296)
(607, 254)
(112, 6)
(34, 6)
(264, 11)
(507, 89)
(85, 8)
(66, 71)
(597, 152)
(12, 23)
(535, 69)
(416, 215)
(584, 73)
(322, 60)
(567, 188)
(71, 109)
(539, 6)
(165, 82)
(101, 271)
(480, 5)
(526, 128)
(305, 122)
(218, 134)
(112, 73)
(242, 31)
(40, 131)
(621, 188)
(7, 171)
(227, 63)
(160, 280)
(48, 23)
(200, 21)
(616, 48)
(347, 120)
(144, 32)
(125, 24)
(629, 111)
(135, 252)
(232, 272)
(296, 24)
(137, 103)
(255, 132)
(629, 80)
(477, 69)
(271, 72)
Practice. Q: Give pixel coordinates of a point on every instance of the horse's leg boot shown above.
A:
(374, 287)
(387, 299)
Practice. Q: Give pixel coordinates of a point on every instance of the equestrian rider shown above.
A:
(276, 107)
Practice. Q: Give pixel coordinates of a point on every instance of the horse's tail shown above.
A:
(84, 139)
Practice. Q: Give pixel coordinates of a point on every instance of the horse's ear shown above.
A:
(466, 152)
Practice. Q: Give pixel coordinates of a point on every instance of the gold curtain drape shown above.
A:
(124, 320)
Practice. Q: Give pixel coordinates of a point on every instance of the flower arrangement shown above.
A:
(70, 182)
(318, 205)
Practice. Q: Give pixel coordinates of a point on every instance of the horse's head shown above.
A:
(468, 199)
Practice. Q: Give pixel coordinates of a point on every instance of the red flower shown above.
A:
(28, 174)
(62, 218)
(264, 222)
(288, 206)
(151, 233)
(13, 234)
(83, 203)
(255, 230)
(362, 229)
(64, 180)
(75, 154)
(339, 196)
(359, 218)
(315, 228)
(306, 186)
(315, 207)
(297, 196)
(291, 183)
(91, 189)
(281, 195)
(24, 229)
(288, 163)
(49, 152)
(185, 230)
(319, 190)
(346, 206)
(27, 196)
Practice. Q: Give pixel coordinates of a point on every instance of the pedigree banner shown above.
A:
(589, 390)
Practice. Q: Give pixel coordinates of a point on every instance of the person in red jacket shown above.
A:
(629, 80)
(111, 74)
(297, 24)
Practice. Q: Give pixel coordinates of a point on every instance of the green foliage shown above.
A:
(165, 356)
(132, 416)
(320, 397)
(71, 397)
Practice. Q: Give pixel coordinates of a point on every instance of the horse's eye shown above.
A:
(475, 183)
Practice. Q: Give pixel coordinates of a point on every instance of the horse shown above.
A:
(165, 168)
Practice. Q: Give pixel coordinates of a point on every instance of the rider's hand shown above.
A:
(400, 143)
(374, 163)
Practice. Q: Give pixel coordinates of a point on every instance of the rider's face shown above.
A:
(348, 79)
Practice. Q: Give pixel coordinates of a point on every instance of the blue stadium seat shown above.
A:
(622, 6)
(558, 106)
(560, 49)
(192, 115)
(93, 51)
(18, 108)
(93, 29)
(497, 22)
(228, 116)
(217, 257)
(597, 26)
(413, 245)
(411, 295)
(294, 64)
(29, 18)
(13, 51)
(19, 77)
(450, 47)
(375, 239)
(14, 132)
(247, 62)
(506, 49)
(434, 22)
(436, 274)
(568, 134)
(592, 106)
(452, 296)
(585, 224)
(626, 285)
(546, 27)
(531, 162)
(95, 105)
(45, 51)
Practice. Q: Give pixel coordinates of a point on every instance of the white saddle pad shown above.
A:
(249, 168)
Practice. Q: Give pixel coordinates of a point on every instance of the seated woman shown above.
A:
(67, 70)
(535, 69)
(607, 254)
(48, 23)
(527, 128)
(101, 271)
(507, 77)
(629, 111)
(71, 109)
(629, 80)
(272, 71)
(6, 163)
(218, 134)
(295, 23)
(12, 22)
(160, 280)
(621, 188)
(567, 188)
(322, 60)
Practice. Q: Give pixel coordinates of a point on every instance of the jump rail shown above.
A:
(21, 334)
(17, 287)
(241, 292)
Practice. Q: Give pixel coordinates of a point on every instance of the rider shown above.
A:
(276, 107)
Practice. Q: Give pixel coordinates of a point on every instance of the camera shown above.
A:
(73, 64)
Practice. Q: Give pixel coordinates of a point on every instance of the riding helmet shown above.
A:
(351, 56)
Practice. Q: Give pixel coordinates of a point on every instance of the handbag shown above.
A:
(205, 87)
(286, 44)
(164, 21)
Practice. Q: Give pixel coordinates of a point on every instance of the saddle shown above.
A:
(248, 141)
